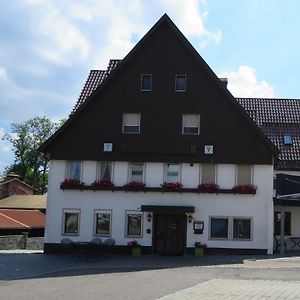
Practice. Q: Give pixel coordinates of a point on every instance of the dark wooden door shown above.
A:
(169, 234)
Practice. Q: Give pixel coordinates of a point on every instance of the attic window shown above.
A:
(180, 83)
(146, 82)
(287, 139)
(190, 124)
(131, 123)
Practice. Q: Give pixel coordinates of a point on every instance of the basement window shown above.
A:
(287, 139)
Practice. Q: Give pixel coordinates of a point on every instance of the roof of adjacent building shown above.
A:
(21, 219)
(24, 202)
(276, 117)
(4, 181)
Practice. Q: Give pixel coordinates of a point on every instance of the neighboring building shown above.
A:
(160, 115)
(12, 185)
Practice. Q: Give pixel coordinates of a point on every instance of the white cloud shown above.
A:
(190, 19)
(3, 74)
(243, 83)
(81, 12)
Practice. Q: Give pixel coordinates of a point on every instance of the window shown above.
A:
(102, 222)
(74, 170)
(180, 83)
(287, 139)
(131, 123)
(71, 222)
(136, 172)
(146, 82)
(241, 228)
(219, 228)
(190, 124)
(133, 224)
(105, 170)
(208, 173)
(287, 223)
(244, 174)
(172, 173)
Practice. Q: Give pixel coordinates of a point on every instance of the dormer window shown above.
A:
(180, 83)
(146, 82)
(131, 123)
(287, 139)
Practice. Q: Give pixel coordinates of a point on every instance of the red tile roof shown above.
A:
(21, 219)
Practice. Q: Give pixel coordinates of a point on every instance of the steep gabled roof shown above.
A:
(114, 73)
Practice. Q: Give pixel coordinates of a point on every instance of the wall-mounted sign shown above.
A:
(198, 227)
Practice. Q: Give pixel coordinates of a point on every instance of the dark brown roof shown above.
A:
(276, 117)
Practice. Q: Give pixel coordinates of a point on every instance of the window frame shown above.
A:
(228, 228)
(130, 164)
(251, 228)
(67, 172)
(98, 171)
(127, 214)
(176, 83)
(141, 87)
(166, 172)
(237, 174)
(70, 211)
(137, 125)
(183, 127)
(216, 173)
(102, 211)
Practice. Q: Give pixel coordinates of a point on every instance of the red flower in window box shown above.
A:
(71, 183)
(102, 183)
(208, 188)
(244, 189)
(172, 186)
(134, 185)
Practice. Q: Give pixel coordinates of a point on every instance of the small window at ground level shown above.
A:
(146, 82)
(287, 139)
(244, 174)
(102, 223)
(241, 228)
(180, 83)
(172, 173)
(208, 173)
(287, 223)
(219, 228)
(74, 170)
(133, 224)
(131, 122)
(71, 222)
(136, 172)
(190, 124)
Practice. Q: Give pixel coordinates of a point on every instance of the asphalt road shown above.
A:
(38, 276)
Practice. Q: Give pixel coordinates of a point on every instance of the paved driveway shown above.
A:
(39, 276)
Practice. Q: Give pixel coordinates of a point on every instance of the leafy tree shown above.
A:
(30, 163)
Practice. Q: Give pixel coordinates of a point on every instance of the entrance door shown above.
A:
(170, 234)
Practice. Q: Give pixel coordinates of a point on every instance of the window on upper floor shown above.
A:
(105, 169)
(131, 123)
(146, 82)
(172, 173)
(180, 83)
(134, 224)
(190, 124)
(74, 170)
(208, 173)
(71, 221)
(244, 174)
(136, 172)
(102, 219)
(287, 139)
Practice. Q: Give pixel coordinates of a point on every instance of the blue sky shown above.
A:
(47, 48)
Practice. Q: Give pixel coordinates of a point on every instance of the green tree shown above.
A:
(30, 163)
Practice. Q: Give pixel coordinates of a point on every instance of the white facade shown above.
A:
(258, 207)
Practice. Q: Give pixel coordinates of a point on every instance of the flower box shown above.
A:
(208, 188)
(171, 187)
(244, 189)
(102, 185)
(71, 184)
(134, 186)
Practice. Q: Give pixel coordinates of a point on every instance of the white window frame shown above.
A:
(201, 173)
(102, 211)
(130, 165)
(133, 212)
(237, 171)
(141, 87)
(228, 228)
(251, 228)
(133, 125)
(177, 76)
(98, 171)
(67, 172)
(166, 172)
(70, 211)
(183, 127)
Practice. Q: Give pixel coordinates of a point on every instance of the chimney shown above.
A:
(224, 82)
